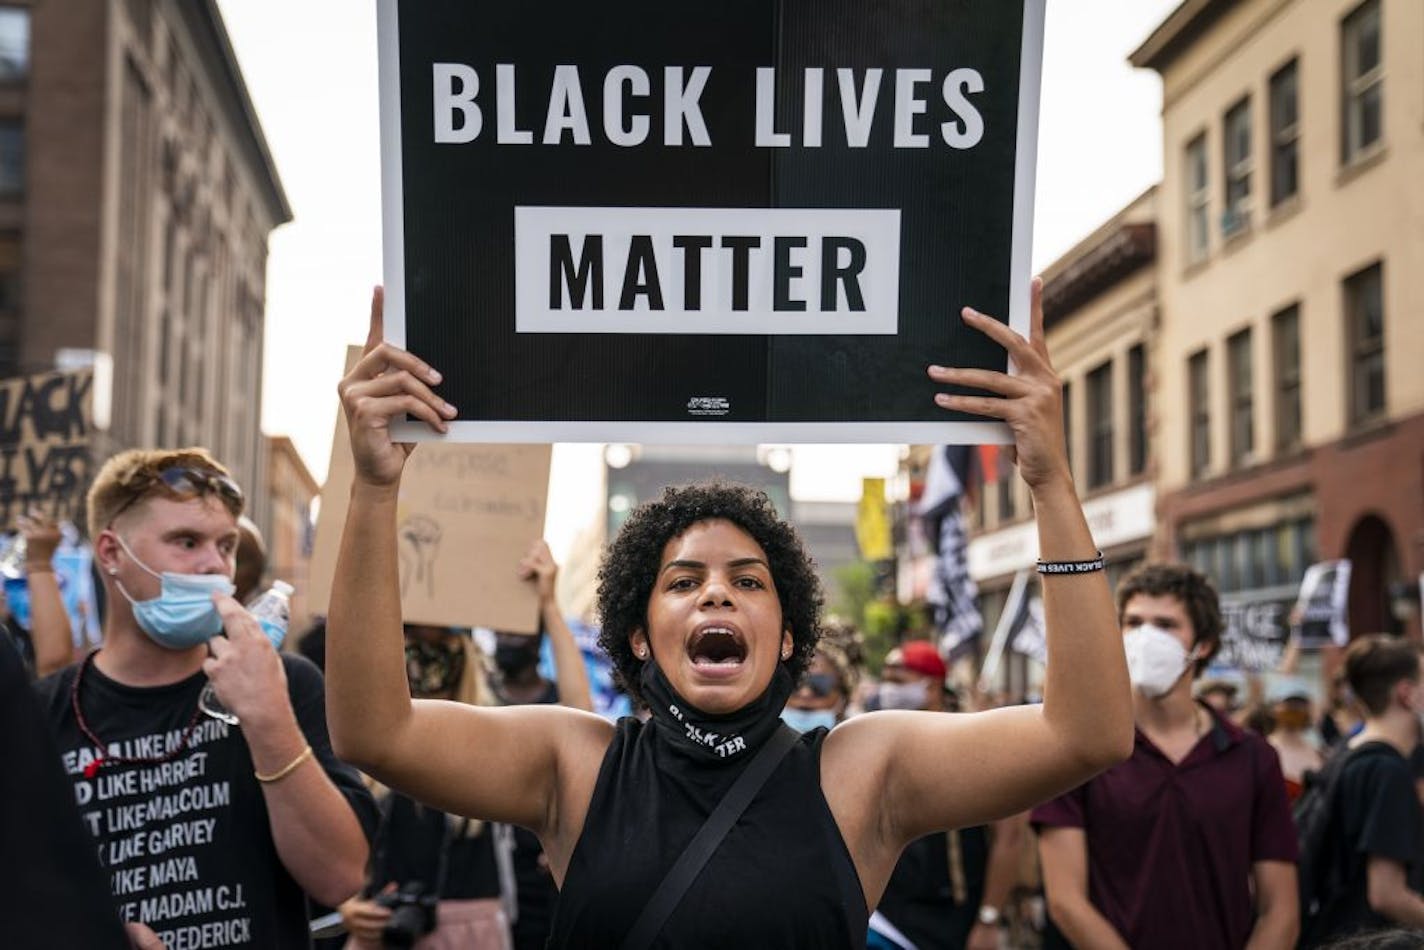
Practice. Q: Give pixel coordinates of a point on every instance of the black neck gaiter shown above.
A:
(706, 737)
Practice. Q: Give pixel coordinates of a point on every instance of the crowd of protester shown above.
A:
(462, 798)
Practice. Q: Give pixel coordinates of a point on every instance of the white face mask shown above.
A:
(1156, 660)
(910, 695)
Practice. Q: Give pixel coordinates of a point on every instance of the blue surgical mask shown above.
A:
(804, 720)
(183, 614)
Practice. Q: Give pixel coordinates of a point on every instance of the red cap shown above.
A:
(921, 657)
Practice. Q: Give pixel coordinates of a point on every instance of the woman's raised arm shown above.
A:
(942, 771)
(498, 764)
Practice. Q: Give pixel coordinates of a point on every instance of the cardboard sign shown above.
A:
(657, 221)
(46, 424)
(467, 514)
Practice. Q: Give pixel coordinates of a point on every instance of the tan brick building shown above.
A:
(293, 492)
(136, 196)
(1291, 279)
(1100, 314)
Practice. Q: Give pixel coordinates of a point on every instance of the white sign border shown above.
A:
(701, 433)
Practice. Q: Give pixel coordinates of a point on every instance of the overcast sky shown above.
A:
(310, 67)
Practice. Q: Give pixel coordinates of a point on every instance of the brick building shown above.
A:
(1291, 272)
(136, 196)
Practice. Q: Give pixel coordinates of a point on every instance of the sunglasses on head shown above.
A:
(821, 684)
(186, 481)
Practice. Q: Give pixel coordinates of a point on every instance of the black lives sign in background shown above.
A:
(459, 199)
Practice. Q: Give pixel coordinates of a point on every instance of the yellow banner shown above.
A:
(872, 522)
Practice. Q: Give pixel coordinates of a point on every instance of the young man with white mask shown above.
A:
(210, 833)
(1189, 843)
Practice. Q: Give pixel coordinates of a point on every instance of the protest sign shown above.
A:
(45, 460)
(1256, 628)
(735, 222)
(1320, 609)
(466, 515)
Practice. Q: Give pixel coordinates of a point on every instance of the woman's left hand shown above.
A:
(1032, 403)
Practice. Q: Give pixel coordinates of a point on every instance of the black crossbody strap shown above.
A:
(694, 857)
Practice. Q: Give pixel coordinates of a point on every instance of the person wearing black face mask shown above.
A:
(516, 660)
(465, 864)
(516, 655)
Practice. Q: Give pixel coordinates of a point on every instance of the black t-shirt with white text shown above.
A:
(187, 843)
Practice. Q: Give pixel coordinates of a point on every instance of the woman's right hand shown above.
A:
(365, 920)
(387, 382)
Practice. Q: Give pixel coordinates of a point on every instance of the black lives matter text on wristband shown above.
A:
(602, 220)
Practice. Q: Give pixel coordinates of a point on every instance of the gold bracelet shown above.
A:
(39, 569)
(286, 770)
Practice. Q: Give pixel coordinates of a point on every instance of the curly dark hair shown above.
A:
(1192, 588)
(630, 567)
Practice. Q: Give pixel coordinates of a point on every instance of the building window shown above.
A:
(1243, 434)
(1199, 399)
(1136, 410)
(1100, 426)
(14, 43)
(1198, 201)
(1068, 422)
(1364, 317)
(1236, 154)
(12, 157)
(981, 496)
(1256, 558)
(9, 303)
(1363, 77)
(1285, 334)
(1285, 134)
(1008, 509)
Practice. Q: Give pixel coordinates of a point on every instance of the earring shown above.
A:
(786, 654)
(642, 654)
(113, 572)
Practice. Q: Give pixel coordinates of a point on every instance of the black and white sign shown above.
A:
(1321, 609)
(1257, 629)
(658, 220)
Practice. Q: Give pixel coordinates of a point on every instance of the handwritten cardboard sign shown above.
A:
(467, 514)
(46, 424)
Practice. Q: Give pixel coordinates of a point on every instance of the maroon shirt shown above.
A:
(1170, 847)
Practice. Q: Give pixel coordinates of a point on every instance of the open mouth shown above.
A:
(717, 646)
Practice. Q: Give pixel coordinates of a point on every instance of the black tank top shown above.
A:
(782, 876)
(919, 898)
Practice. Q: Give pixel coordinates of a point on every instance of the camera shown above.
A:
(412, 914)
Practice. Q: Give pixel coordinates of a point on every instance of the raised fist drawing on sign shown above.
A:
(419, 548)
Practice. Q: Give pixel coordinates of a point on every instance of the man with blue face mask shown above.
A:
(212, 834)
(1189, 843)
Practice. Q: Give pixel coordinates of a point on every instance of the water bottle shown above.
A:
(12, 556)
(273, 611)
(13, 575)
